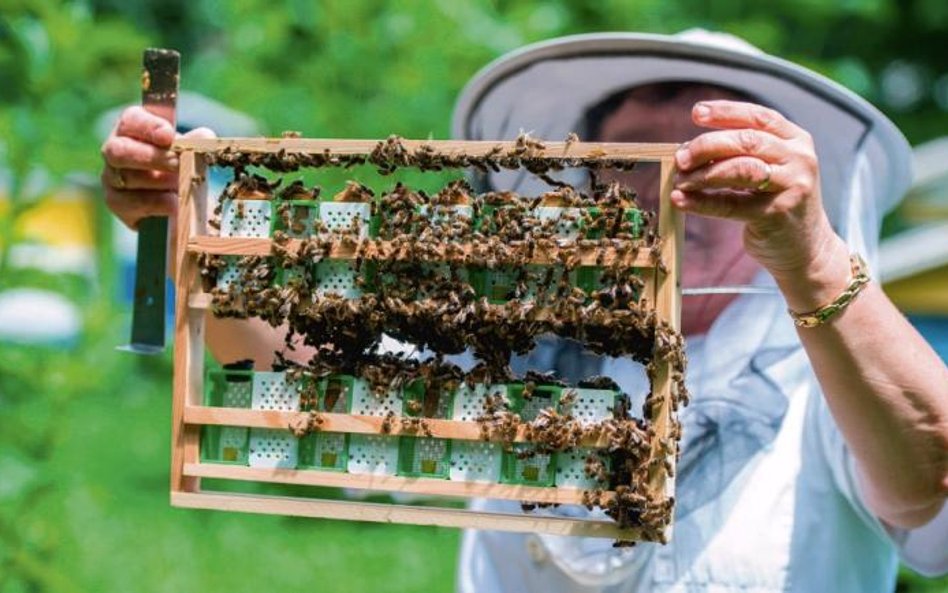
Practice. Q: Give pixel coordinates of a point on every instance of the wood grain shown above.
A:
(426, 486)
(668, 308)
(352, 423)
(633, 254)
(410, 514)
(553, 150)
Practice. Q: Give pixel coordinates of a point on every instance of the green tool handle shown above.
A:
(148, 312)
(160, 75)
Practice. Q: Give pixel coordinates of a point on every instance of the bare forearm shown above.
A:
(887, 390)
(230, 340)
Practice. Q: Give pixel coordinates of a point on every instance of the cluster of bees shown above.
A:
(391, 154)
(421, 277)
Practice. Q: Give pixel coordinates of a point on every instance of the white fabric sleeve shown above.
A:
(924, 549)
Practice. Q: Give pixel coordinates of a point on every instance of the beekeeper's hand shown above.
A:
(760, 168)
(140, 173)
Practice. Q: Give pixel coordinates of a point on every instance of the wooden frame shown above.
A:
(188, 414)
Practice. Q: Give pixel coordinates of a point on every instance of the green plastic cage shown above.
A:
(329, 450)
(227, 444)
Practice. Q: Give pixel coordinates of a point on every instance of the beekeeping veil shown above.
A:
(547, 88)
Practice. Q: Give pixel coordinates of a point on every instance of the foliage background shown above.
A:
(84, 431)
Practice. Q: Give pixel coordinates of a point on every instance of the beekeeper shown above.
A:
(815, 449)
(814, 453)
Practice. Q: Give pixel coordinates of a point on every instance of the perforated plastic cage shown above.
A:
(454, 213)
(566, 221)
(227, 444)
(571, 468)
(229, 275)
(523, 465)
(367, 403)
(424, 456)
(324, 450)
(245, 218)
(528, 404)
(296, 218)
(475, 461)
(346, 216)
(374, 454)
(272, 447)
(336, 393)
(329, 450)
(334, 276)
(434, 402)
(588, 406)
(538, 283)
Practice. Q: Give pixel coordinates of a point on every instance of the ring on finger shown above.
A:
(116, 179)
(765, 184)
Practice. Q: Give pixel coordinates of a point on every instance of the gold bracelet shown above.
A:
(820, 316)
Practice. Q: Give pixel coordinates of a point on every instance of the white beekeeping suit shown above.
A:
(766, 497)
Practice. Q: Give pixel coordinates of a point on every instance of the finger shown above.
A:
(733, 204)
(201, 132)
(122, 152)
(132, 206)
(722, 144)
(138, 123)
(741, 172)
(739, 114)
(150, 179)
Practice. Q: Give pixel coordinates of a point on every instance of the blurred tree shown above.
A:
(311, 64)
(60, 65)
(355, 68)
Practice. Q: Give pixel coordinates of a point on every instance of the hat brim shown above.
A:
(546, 88)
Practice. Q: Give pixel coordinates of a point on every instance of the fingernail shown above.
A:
(173, 160)
(702, 111)
(163, 133)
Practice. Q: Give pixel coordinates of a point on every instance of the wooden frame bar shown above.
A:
(635, 256)
(391, 513)
(645, 152)
(351, 423)
(429, 486)
(188, 414)
(668, 306)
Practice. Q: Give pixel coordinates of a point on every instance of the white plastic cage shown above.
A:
(337, 277)
(340, 216)
(571, 469)
(245, 218)
(373, 453)
(567, 220)
(273, 448)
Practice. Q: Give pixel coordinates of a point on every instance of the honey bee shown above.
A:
(387, 422)
(568, 397)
